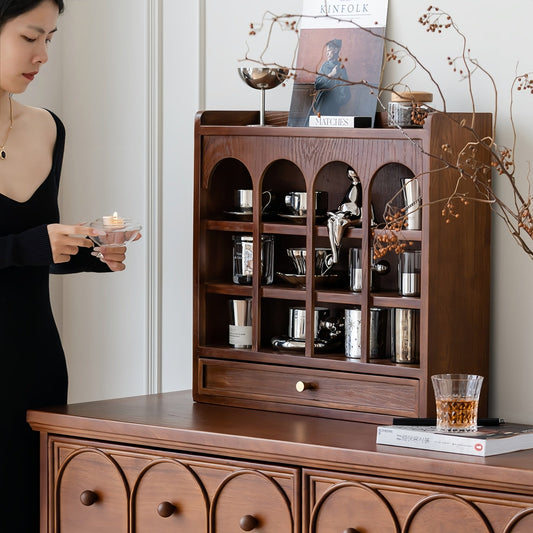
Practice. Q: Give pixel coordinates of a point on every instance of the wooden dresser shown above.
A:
(161, 463)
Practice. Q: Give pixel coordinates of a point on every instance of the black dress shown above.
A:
(32, 363)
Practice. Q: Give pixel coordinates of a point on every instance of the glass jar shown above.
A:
(407, 109)
(243, 255)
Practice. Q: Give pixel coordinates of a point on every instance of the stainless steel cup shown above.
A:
(297, 321)
(240, 323)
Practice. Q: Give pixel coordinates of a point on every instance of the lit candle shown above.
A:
(113, 221)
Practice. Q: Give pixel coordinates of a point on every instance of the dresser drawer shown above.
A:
(335, 502)
(317, 388)
(250, 500)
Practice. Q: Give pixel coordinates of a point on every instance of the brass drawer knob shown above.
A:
(166, 509)
(248, 522)
(88, 497)
(302, 385)
(351, 530)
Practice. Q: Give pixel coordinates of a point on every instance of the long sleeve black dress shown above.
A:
(33, 370)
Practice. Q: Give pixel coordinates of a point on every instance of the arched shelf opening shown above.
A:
(226, 177)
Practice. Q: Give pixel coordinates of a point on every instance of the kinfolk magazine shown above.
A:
(335, 53)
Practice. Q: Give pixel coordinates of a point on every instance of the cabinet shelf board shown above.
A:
(317, 361)
(231, 289)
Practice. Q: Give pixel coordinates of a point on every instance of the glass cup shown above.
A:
(356, 269)
(457, 400)
(409, 263)
(243, 257)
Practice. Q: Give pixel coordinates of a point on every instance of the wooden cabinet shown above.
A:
(163, 463)
(452, 310)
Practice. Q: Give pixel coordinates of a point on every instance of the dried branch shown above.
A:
(470, 165)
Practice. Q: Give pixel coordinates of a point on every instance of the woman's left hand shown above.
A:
(112, 256)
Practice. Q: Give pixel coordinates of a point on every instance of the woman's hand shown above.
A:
(66, 240)
(112, 256)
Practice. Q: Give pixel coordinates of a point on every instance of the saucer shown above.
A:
(300, 219)
(298, 280)
(287, 343)
(245, 216)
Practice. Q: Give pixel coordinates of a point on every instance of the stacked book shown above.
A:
(487, 440)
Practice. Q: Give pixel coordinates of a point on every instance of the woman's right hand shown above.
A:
(65, 240)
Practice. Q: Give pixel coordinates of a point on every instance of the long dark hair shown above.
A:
(9, 9)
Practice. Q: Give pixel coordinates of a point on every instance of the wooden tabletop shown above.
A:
(174, 421)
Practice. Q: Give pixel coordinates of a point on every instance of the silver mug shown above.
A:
(297, 321)
(296, 203)
(244, 199)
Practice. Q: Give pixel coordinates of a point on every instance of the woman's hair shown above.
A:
(9, 9)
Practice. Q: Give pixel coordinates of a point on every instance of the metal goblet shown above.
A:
(263, 78)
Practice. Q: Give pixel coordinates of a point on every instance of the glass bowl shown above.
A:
(119, 234)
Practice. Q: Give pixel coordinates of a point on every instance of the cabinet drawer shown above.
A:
(326, 389)
(91, 494)
(250, 500)
(336, 502)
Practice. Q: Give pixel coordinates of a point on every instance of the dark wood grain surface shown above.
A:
(174, 421)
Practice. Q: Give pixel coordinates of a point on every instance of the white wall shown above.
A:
(99, 87)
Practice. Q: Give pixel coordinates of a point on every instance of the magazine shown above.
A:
(487, 440)
(340, 60)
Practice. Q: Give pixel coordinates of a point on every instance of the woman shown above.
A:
(32, 243)
(331, 90)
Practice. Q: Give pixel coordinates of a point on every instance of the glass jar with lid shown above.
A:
(407, 109)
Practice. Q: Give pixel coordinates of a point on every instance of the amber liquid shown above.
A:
(457, 414)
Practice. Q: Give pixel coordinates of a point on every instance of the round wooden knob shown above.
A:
(351, 530)
(248, 522)
(166, 509)
(88, 497)
(302, 385)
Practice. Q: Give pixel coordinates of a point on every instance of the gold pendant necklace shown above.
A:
(3, 153)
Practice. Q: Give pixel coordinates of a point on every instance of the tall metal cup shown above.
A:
(412, 203)
(352, 332)
(240, 324)
(405, 332)
(378, 332)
